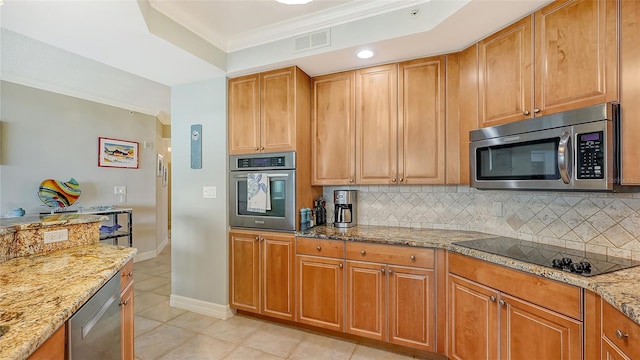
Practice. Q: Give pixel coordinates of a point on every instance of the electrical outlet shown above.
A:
(56, 236)
(119, 190)
(208, 192)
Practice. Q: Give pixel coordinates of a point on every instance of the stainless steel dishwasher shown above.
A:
(95, 329)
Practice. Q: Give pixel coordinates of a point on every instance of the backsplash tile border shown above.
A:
(604, 223)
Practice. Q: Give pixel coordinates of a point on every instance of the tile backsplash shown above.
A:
(605, 223)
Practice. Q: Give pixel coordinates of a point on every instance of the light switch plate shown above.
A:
(119, 190)
(209, 192)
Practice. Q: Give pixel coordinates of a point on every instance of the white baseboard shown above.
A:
(217, 311)
(162, 245)
(145, 256)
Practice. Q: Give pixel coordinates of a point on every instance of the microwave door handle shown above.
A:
(244, 176)
(564, 156)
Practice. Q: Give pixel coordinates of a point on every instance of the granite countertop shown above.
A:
(38, 293)
(13, 224)
(620, 288)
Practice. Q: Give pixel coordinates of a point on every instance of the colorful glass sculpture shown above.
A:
(54, 193)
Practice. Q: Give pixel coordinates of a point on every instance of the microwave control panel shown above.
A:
(590, 150)
(262, 162)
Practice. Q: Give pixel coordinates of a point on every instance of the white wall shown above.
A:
(47, 135)
(199, 251)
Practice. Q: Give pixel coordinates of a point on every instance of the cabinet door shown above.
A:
(473, 320)
(53, 348)
(376, 125)
(127, 316)
(611, 352)
(320, 292)
(411, 307)
(630, 90)
(244, 292)
(366, 299)
(244, 115)
(277, 275)
(421, 126)
(506, 75)
(576, 55)
(277, 110)
(528, 331)
(333, 129)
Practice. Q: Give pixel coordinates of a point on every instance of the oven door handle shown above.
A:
(564, 157)
(244, 176)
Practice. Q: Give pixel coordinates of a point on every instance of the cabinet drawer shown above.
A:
(612, 321)
(563, 298)
(319, 247)
(390, 254)
(126, 275)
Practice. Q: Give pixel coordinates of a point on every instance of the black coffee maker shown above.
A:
(344, 214)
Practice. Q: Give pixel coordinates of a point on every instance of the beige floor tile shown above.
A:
(163, 290)
(317, 347)
(139, 276)
(368, 353)
(151, 283)
(145, 300)
(161, 312)
(275, 339)
(243, 353)
(154, 269)
(192, 321)
(159, 341)
(143, 325)
(235, 330)
(201, 347)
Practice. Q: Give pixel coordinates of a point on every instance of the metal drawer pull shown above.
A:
(363, 252)
(525, 112)
(257, 238)
(413, 258)
(390, 272)
(382, 271)
(621, 335)
(340, 266)
(492, 298)
(501, 302)
(318, 248)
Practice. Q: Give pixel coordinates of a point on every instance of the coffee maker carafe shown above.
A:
(344, 214)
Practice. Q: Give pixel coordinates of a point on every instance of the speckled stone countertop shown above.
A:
(620, 289)
(11, 225)
(38, 293)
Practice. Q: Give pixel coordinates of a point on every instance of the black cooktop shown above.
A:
(575, 261)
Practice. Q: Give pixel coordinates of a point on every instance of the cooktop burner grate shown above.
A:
(575, 261)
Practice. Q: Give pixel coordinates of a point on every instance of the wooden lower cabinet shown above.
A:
(487, 323)
(620, 335)
(611, 352)
(127, 317)
(320, 289)
(261, 273)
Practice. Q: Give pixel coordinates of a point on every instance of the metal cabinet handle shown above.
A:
(350, 180)
(362, 252)
(501, 302)
(525, 112)
(492, 298)
(129, 274)
(621, 335)
(536, 110)
(390, 272)
(257, 238)
(262, 148)
(401, 179)
(318, 248)
(393, 180)
(382, 270)
(412, 257)
(124, 302)
(256, 148)
(340, 266)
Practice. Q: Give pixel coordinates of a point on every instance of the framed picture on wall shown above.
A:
(117, 153)
(159, 165)
(165, 176)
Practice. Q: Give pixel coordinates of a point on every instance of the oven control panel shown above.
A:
(590, 148)
(261, 162)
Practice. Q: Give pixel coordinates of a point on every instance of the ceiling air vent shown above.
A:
(311, 41)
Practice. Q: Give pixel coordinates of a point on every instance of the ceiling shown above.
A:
(212, 38)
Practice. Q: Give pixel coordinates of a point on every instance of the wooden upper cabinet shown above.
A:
(376, 124)
(244, 114)
(333, 129)
(630, 90)
(264, 110)
(506, 74)
(277, 110)
(576, 55)
(421, 121)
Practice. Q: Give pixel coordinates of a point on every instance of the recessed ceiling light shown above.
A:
(294, 2)
(365, 54)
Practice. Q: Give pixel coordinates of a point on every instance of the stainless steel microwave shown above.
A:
(279, 170)
(573, 150)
